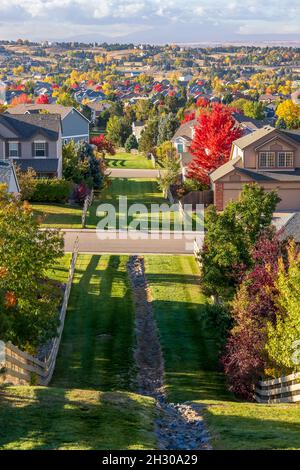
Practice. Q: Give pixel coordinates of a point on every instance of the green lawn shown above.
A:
(138, 190)
(60, 271)
(189, 345)
(55, 418)
(240, 426)
(128, 161)
(98, 337)
(58, 215)
(191, 364)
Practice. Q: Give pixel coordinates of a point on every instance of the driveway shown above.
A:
(156, 242)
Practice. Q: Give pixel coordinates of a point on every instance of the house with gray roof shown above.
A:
(75, 126)
(269, 157)
(32, 141)
(8, 177)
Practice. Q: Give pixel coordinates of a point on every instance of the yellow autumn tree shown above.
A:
(289, 112)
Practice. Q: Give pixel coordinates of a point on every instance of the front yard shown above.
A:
(138, 191)
(58, 215)
(128, 161)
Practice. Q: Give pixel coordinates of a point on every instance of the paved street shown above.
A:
(155, 243)
(135, 173)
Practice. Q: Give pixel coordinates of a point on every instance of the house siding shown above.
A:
(74, 125)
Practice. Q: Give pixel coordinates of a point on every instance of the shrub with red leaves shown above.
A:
(254, 304)
(103, 144)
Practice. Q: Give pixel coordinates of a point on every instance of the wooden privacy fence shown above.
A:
(20, 367)
(282, 390)
(87, 203)
(198, 197)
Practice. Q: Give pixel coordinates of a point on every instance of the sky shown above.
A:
(152, 21)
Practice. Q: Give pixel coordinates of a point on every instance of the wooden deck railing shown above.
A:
(20, 367)
(281, 390)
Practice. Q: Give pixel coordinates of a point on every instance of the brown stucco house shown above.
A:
(267, 156)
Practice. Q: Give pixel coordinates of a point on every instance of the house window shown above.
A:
(285, 159)
(266, 159)
(13, 149)
(40, 149)
(180, 148)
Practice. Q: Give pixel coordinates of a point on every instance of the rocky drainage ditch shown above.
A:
(179, 426)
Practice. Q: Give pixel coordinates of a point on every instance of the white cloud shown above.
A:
(76, 16)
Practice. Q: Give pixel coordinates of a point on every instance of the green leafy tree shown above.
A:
(118, 130)
(148, 140)
(230, 236)
(29, 301)
(169, 177)
(131, 143)
(283, 344)
(166, 128)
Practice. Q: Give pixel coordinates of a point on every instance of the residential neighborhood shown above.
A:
(149, 247)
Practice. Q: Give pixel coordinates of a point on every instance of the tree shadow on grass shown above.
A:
(73, 419)
(97, 342)
(252, 426)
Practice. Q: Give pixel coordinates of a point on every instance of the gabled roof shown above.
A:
(250, 139)
(25, 126)
(185, 130)
(63, 111)
(224, 169)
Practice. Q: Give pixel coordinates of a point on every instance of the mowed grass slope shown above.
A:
(55, 418)
(138, 191)
(192, 366)
(128, 161)
(96, 348)
(189, 345)
(253, 426)
(58, 215)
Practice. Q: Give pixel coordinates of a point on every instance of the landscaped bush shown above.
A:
(51, 190)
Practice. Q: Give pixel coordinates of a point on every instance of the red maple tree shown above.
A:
(215, 131)
(188, 117)
(103, 144)
(42, 99)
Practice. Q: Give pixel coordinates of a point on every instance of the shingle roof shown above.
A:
(6, 172)
(292, 175)
(185, 130)
(63, 111)
(292, 228)
(26, 126)
(249, 139)
(224, 169)
(45, 165)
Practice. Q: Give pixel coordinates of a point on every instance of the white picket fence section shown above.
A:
(20, 368)
(284, 389)
(87, 203)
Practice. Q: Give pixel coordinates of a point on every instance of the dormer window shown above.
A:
(267, 159)
(285, 159)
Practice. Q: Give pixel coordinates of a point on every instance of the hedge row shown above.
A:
(51, 190)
